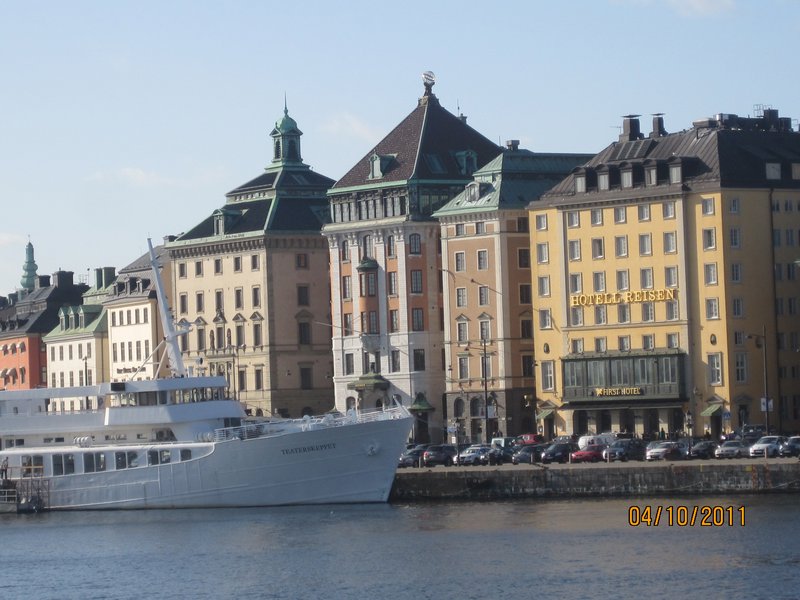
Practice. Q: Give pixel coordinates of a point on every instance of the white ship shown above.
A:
(179, 442)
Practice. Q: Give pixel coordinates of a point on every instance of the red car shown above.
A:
(593, 453)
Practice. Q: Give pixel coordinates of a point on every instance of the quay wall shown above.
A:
(579, 481)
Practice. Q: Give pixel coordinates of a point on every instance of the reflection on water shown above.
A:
(564, 549)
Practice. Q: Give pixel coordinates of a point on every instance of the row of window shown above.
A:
(648, 342)
(367, 248)
(220, 338)
(129, 316)
(80, 348)
(369, 321)
(119, 354)
(577, 314)
(84, 377)
(371, 362)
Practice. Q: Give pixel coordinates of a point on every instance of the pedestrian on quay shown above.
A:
(4, 468)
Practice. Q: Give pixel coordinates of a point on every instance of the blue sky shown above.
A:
(123, 120)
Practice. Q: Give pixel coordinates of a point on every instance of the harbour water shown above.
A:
(522, 549)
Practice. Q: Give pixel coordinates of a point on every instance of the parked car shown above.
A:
(704, 449)
(731, 449)
(665, 451)
(410, 458)
(472, 455)
(791, 447)
(524, 454)
(528, 438)
(558, 452)
(441, 454)
(768, 446)
(625, 449)
(498, 455)
(592, 453)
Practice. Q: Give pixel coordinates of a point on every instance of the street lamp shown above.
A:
(484, 372)
(762, 337)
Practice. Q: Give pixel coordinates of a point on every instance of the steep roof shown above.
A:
(422, 146)
(726, 152)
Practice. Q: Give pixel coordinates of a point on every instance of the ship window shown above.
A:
(186, 454)
(94, 462)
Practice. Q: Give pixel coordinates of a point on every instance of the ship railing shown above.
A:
(307, 423)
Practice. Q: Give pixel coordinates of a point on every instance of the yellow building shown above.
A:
(664, 285)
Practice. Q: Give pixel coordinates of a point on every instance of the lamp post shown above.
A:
(765, 401)
(484, 372)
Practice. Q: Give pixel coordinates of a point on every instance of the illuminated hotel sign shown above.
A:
(623, 297)
(626, 391)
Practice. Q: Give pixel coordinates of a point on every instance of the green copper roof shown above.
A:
(421, 404)
(28, 281)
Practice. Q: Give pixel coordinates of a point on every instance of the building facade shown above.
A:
(488, 312)
(251, 282)
(385, 261)
(77, 347)
(664, 282)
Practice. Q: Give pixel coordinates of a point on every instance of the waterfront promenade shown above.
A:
(587, 480)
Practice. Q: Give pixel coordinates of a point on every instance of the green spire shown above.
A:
(28, 281)
(286, 139)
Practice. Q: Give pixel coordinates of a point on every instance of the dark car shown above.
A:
(498, 455)
(529, 453)
(558, 452)
(791, 447)
(704, 449)
(592, 453)
(442, 454)
(410, 458)
(625, 449)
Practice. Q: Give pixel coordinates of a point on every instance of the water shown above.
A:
(524, 549)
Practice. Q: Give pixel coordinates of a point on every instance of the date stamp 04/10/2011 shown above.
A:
(686, 516)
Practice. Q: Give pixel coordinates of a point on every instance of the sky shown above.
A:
(125, 120)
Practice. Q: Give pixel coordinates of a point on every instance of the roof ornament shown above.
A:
(428, 79)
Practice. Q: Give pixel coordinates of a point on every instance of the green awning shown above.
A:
(544, 414)
(711, 410)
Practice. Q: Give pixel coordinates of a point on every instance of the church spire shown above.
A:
(28, 281)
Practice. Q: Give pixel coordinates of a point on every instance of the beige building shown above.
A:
(385, 258)
(134, 325)
(488, 311)
(664, 281)
(251, 282)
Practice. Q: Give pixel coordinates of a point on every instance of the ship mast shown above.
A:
(175, 358)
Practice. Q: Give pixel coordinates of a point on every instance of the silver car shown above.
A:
(731, 449)
(769, 446)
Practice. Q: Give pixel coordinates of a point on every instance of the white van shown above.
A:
(593, 439)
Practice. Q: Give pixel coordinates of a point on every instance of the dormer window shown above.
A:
(473, 192)
(219, 224)
(675, 173)
(602, 181)
(277, 147)
(773, 170)
(651, 175)
(627, 178)
(467, 162)
(580, 184)
(375, 170)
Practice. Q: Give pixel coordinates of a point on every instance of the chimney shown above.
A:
(98, 278)
(630, 129)
(109, 275)
(462, 118)
(170, 238)
(62, 278)
(658, 126)
(512, 144)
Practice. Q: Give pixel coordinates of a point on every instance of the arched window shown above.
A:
(350, 402)
(458, 408)
(475, 407)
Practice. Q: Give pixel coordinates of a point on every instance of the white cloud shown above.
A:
(350, 125)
